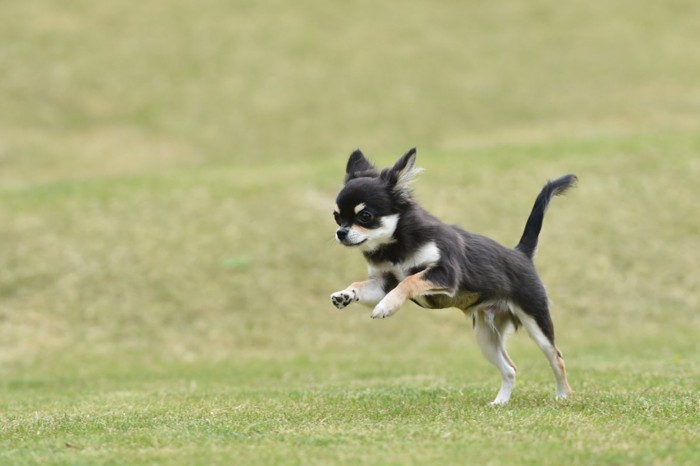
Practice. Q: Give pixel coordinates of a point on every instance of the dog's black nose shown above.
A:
(342, 233)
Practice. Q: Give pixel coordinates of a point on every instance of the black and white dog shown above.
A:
(413, 255)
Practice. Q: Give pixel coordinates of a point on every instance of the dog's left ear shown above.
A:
(402, 173)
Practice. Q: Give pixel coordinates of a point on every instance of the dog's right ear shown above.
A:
(359, 167)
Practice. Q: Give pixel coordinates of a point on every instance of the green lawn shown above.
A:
(167, 178)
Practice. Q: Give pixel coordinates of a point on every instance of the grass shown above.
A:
(167, 173)
(403, 424)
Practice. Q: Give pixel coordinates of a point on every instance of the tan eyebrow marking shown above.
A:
(337, 209)
(360, 207)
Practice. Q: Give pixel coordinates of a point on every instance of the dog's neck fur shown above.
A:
(415, 227)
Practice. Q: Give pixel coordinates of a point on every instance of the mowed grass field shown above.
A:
(167, 178)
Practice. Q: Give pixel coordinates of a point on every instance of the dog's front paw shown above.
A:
(382, 311)
(341, 299)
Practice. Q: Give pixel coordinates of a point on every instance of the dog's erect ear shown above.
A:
(402, 173)
(358, 163)
(358, 167)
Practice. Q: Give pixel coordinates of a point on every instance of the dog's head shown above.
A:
(370, 204)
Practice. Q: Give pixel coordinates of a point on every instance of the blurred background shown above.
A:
(168, 172)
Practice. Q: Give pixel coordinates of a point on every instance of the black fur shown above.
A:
(528, 242)
(358, 167)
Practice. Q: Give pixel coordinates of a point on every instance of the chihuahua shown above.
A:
(412, 255)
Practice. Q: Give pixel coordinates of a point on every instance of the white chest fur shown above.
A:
(424, 257)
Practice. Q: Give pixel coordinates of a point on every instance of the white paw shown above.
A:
(382, 311)
(499, 402)
(563, 392)
(340, 299)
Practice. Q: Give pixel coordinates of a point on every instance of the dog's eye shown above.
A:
(364, 217)
(336, 216)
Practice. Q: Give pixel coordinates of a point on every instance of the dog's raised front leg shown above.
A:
(369, 293)
(412, 286)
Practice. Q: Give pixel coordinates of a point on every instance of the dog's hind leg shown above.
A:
(546, 344)
(490, 329)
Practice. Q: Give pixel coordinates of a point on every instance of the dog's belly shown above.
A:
(462, 301)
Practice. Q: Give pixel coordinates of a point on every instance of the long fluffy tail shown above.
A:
(528, 242)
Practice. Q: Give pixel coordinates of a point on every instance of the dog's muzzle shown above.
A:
(342, 234)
